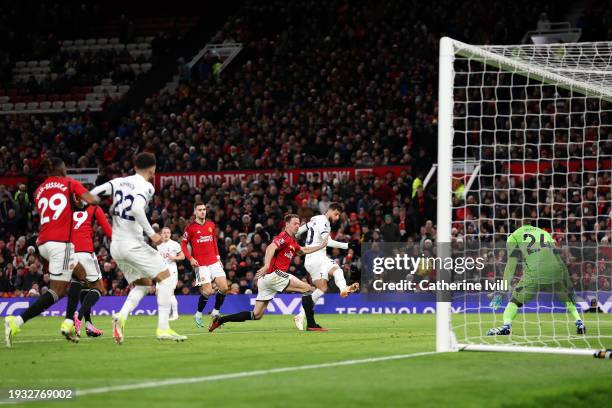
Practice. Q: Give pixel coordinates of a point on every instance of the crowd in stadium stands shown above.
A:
(329, 88)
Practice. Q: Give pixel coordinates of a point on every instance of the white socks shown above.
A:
(339, 279)
(134, 297)
(316, 295)
(164, 296)
(174, 304)
(19, 321)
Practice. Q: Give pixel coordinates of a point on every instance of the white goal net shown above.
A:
(538, 121)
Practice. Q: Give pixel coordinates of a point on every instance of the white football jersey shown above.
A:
(318, 229)
(169, 248)
(125, 191)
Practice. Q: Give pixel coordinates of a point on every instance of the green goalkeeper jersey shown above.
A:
(537, 248)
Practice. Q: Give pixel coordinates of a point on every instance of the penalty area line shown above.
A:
(243, 374)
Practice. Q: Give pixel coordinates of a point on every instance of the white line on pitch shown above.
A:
(242, 374)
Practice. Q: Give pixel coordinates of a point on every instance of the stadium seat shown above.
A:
(4, 99)
(7, 106)
(70, 105)
(113, 40)
(146, 66)
(20, 64)
(58, 105)
(45, 105)
(79, 42)
(95, 104)
(32, 64)
(20, 106)
(32, 106)
(83, 105)
(103, 41)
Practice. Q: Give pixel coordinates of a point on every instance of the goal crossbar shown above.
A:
(516, 65)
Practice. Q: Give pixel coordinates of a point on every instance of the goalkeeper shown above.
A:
(543, 271)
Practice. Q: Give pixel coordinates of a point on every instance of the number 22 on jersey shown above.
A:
(123, 206)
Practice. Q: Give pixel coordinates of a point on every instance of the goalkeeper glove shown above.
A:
(497, 300)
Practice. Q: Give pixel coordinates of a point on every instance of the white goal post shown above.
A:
(538, 119)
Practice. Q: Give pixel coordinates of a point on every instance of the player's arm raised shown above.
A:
(105, 189)
(138, 210)
(309, 250)
(333, 243)
(303, 228)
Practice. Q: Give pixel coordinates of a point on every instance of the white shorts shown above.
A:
(137, 260)
(207, 274)
(172, 281)
(318, 267)
(272, 283)
(60, 256)
(90, 263)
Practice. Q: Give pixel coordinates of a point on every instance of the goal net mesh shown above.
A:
(537, 121)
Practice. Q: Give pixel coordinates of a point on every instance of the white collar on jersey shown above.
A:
(143, 179)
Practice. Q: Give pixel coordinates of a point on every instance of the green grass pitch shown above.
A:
(40, 358)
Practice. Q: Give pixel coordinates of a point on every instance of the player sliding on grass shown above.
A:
(53, 201)
(82, 239)
(543, 271)
(201, 235)
(273, 278)
(318, 265)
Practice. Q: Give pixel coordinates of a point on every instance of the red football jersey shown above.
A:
(52, 199)
(203, 241)
(287, 246)
(82, 227)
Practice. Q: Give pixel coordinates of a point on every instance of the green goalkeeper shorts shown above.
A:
(525, 291)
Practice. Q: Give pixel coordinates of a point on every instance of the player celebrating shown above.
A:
(140, 263)
(82, 239)
(53, 201)
(171, 251)
(543, 271)
(318, 265)
(201, 235)
(273, 277)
